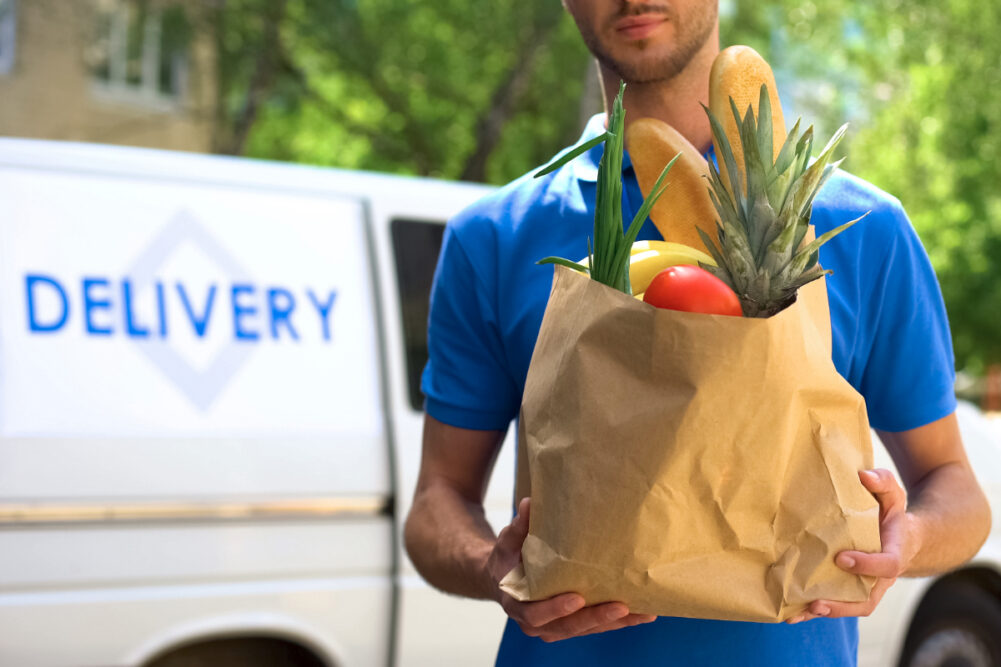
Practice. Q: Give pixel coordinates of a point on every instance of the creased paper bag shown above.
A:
(687, 464)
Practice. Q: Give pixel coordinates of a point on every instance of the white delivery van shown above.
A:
(209, 413)
(210, 423)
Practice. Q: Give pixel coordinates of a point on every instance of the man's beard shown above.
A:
(690, 37)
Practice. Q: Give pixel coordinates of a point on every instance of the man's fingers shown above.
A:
(541, 613)
(639, 619)
(884, 486)
(833, 609)
(886, 564)
(883, 565)
(565, 616)
(588, 619)
(591, 620)
(524, 507)
(624, 622)
(801, 618)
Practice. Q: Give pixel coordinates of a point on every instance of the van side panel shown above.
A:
(192, 431)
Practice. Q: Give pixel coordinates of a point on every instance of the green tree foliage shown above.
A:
(487, 90)
(477, 91)
(921, 83)
(936, 143)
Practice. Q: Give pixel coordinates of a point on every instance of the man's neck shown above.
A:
(678, 101)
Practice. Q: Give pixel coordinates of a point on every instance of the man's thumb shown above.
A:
(513, 536)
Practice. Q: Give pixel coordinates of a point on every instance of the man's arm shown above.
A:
(447, 534)
(452, 545)
(938, 524)
(949, 517)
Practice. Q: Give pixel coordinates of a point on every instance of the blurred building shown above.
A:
(133, 72)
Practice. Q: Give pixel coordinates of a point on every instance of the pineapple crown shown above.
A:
(764, 216)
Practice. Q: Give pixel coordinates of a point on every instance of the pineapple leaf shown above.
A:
(741, 260)
(711, 247)
(721, 270)
(833, 143)
(780, 251)
(808, 276)
(764, 211)
(804, 149)
(785, 157)
(809, 251)
(765, 146)
(719, 193)
(729, 161)
(802, 225)
(828, 170)
(804, 189)
(773, 231)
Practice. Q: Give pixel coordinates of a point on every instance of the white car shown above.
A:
(210, 424)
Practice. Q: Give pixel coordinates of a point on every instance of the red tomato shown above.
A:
(692, 289)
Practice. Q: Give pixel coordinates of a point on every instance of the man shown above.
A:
(891, 342)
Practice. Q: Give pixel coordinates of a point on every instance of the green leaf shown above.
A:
(570, 155)
(655, 193)
(729, 161)
(785, 156)
(565, 262)
(802, 257)
(765, 147)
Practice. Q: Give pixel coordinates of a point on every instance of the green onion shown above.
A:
(609, 249)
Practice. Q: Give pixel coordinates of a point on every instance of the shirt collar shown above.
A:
(585, 167)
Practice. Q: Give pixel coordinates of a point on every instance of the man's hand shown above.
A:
(938, 525)
(454, 548)
(897, 536)
(559, 617)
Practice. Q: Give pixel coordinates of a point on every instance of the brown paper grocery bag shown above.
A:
(689, 464)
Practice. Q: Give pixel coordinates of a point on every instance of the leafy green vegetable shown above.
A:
(609, 248)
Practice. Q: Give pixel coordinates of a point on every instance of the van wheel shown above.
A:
(239, 652)
(958, 625)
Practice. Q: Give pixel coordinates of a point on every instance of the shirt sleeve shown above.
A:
(466, 382)
(909, 377)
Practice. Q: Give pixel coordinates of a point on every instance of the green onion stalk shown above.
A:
(608, 250)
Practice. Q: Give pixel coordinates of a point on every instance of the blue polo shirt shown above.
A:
(890, 341)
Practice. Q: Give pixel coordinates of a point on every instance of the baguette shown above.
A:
(686, 204)
(738, 72)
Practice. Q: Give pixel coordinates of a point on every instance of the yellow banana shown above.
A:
(648, 258)
(644, 265)
(670, 246)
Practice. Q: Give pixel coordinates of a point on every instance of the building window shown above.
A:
(140, 51)
(8, 35)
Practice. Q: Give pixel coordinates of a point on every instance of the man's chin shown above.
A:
(642, 70)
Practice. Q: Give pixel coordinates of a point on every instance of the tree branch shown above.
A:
(504, 101)
(379, 140)
(263, 79)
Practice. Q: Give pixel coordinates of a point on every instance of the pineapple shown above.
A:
(764, 210)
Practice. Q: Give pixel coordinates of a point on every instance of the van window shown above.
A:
(8, 35)
(416, 244)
